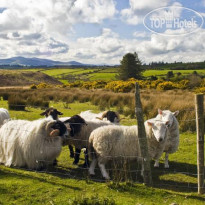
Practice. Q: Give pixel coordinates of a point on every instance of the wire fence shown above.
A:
(182, 173)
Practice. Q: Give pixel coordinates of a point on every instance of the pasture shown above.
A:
(71, 184)
(65, 74)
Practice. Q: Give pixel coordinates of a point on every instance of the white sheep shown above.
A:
(107, 143)
(172, 142)
(31, 144)
(80, 133)
(106, 116)
(4, 115)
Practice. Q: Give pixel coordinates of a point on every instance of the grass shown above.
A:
(161, 73)
(70, 184)
(102, 74)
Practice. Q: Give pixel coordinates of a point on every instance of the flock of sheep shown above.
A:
(36, 144)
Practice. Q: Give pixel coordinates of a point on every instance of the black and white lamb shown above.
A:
(80, 133)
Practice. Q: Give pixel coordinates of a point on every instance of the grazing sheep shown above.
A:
(51, 112)
(107, 143)
(172, 142)
(4, 115)
(31, 144)
(107, 115)
(80, 132)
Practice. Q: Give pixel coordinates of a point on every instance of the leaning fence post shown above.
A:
(142, 138)
(199, 104)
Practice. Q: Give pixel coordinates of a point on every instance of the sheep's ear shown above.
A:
(55, 133)
(43, 113)
(176, 113)
(59, 113)
(150, 123)
(160, 111)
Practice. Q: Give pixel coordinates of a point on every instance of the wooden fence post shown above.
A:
(199, 105)
(142, 138)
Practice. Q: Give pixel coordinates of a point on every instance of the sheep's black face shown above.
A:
(51, 112)
(111, 116)
(61, 127)
(76, 122)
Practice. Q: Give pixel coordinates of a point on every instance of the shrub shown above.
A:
(5, 96)
(166, 86)
(33, 86)
(44, 85)
(15, 102)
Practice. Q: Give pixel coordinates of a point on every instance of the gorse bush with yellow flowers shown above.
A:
(120, 86)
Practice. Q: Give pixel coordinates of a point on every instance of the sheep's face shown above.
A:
(58, 128)
(51, 112)
(112, 116)
(75, 123)
(167, 115)
(159, 130)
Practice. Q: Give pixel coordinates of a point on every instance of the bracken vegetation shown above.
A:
(124, 103)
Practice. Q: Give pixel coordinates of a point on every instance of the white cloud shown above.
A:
(109, 47)
(41, 27)
(141, 34)
(138, 9)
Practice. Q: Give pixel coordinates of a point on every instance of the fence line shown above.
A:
(135, 170)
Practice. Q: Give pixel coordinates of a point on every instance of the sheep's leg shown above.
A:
(71, 151)
(103, 171)
(55, 162)
(86, 163)
(156, 164)
(77, 156)
(92, 167)
(166, 161)
(142, 170)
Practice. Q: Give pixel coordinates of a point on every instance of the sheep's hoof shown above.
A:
(72, 155)
(156, 165)
(85, 165)
(91, 173)
(106, 178)
(166, 166)
(55, 162)
(75, 163)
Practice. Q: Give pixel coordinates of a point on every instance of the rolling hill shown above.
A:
(24, 78)
(21, 61)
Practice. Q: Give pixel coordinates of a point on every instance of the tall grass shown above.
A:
(124, 103)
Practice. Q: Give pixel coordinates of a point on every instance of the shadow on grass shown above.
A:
(179, 177)
(24, 176)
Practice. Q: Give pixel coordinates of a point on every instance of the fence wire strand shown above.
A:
(67, 169)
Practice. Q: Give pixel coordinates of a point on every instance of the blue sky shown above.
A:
(99, 31)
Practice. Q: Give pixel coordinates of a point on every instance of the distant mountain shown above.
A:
(21, 61)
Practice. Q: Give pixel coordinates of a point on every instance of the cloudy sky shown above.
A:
(97, 31)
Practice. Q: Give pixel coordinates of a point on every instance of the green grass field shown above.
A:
(102, 74)
(68, 183)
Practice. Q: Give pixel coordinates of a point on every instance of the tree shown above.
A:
(170, 74)
(131, 67)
